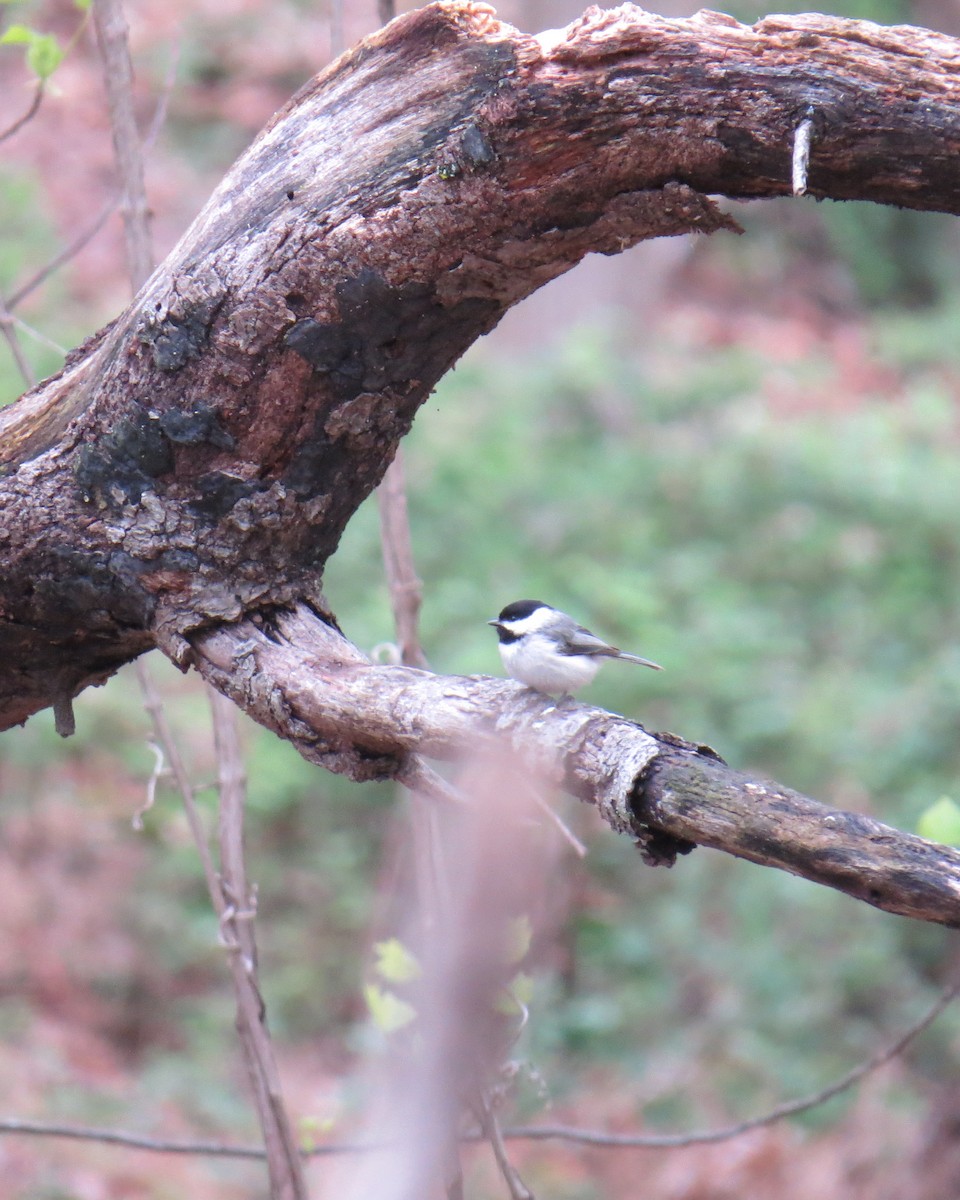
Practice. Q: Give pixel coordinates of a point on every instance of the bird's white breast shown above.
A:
(534, 661)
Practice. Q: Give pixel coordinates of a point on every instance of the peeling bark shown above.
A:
(200, 457)
(184, 478)
(303, 679)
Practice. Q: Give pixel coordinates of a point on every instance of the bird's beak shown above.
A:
(494, 623)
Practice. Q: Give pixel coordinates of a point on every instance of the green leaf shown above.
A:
(516, 998)
(395, 962)
(18, 35)
(83, 5)
(941, 822)
(388, 1011)
(519, 937)
(44, 55)
(310, 1130)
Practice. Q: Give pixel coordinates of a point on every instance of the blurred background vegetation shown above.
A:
(736, 456)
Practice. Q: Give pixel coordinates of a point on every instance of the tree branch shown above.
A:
(111, 27)
(199, 458)
(303, 679)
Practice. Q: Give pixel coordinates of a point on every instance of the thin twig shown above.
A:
(232, 905)
(386, 11)
(9, 330)
(579, 849)
(82, 239)
(789, 1108)
(491, 1129)
(112, 38)
(31, 112)
(406, 589)
(38, 335)
(68, 252)
(563, 1133)
(229, 893)
(336, 28)
(153, 705)
(159, 770)
(136, 1141)
(283, 1157)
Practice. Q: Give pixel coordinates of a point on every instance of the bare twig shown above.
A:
(68, 252)
(386, 10)
(789, 1108)
(153, 706)
(31, 112)
(406, 590)
(336, 28)
(136, 1141)
(562, 1133)
(236, 923)
(37, 335)
(87, 235)
(159, 770)
(561, 827)
(9, 330)
(112, 38)
(491, 1130)
(232, 904)
(229, 893)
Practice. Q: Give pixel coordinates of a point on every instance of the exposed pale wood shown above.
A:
(303, 679)
(200, 457)
(184, 479)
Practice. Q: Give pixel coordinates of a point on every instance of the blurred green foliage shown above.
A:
(797, 574)
(798, 579)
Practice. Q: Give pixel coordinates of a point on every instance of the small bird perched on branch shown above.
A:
(548, 651)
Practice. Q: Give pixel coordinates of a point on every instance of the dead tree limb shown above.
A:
(199, 458)
(187, 474)
(300, 677)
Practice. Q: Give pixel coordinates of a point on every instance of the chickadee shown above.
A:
(547, 650)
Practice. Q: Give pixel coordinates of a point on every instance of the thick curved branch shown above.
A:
(303, 679)
(199, 459)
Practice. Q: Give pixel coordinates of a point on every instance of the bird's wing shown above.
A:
(582, 641)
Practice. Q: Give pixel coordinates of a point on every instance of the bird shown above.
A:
(548, 651)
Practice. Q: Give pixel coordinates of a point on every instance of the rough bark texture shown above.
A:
(302, 678)
(200, 457)
(184, 479)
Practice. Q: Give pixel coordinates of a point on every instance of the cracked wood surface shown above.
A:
(183, 480)
(201, 456)
(303, 679)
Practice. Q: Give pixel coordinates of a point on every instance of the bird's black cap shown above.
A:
(520, 609)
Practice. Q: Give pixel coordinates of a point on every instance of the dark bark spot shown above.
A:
(323, 346)
(314, 466)
(99, 588)
(124, 462)
(659, 849)
(386, 335)
(179, 560)
(201, 424)
(476, 147)
(217, 493)
(180, 337)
